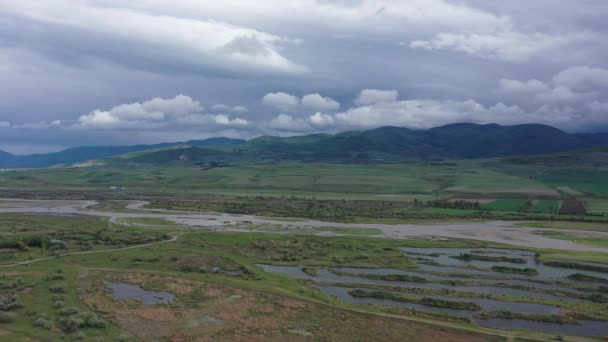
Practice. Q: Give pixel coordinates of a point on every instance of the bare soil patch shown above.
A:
(212, 312)
(572, 207)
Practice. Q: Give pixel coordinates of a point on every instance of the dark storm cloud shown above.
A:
(74, 72)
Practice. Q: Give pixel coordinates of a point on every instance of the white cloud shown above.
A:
(40, 125)
(372, 96)
(220, 106)
(320, 119)
(281, 101)
(582, 77)
(575, 88)
(318, 102)
(533, 86)
(413, 113)
(563, 95)
(423, 114)
(218, 119)
(153, 111)
(5, 124)
(510, 46)
(198, 44)
(288, 123)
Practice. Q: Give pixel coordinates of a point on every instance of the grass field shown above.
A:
(600, 227)
(506, 205)
(593, 182)
(345, 180)
(544, 207)
(588, 241)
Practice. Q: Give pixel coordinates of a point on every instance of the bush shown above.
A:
(57, 297)
(7, 317)
(79, 320)
(123, 338)
(58, 304)
(56, 276)
(68, 311)
(9, 303)
(71, 324)
(44, 323)
(59, 288)
(92, 321)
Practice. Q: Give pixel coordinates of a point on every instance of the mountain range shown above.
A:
(380, 145)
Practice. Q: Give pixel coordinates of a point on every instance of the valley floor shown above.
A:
(121, 271)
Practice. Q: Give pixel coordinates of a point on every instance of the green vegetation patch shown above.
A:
(589, 181)
(471, 257)
(587, 278)
(515, 270)
(513, 205)
(588, 241)
(544, 207)
(561, 319)
(578, 266)
(439, 303)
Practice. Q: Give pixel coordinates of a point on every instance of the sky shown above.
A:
(115, 72)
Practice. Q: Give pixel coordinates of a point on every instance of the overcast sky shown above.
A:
(107, 72)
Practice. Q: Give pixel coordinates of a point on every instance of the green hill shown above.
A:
(389, 145)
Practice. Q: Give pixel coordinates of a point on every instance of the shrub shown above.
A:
(123, 338)
(71, 324)
(44, 323)
(69, 311)
(56, 276)
(9, 303)
(7, 317)
(92, 321)
(58, 304)
(59, 288)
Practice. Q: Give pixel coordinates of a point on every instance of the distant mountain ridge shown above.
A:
(388, 145)
(380, 145)
(85, 153)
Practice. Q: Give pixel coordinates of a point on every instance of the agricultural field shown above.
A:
(333, 180)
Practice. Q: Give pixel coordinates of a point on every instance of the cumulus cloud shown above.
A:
(155, 110)
(318, 102)
(320, 119)
(220, 107)
(156, 113)
(372, 96)
(281, 101)
(217, 119)
(582, 77)
(576, 87)
(423, 114)
(290, 103)
(240, 109)
(288, 123)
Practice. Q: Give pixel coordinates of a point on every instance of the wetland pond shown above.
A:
(441, 271)
(123, 291)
